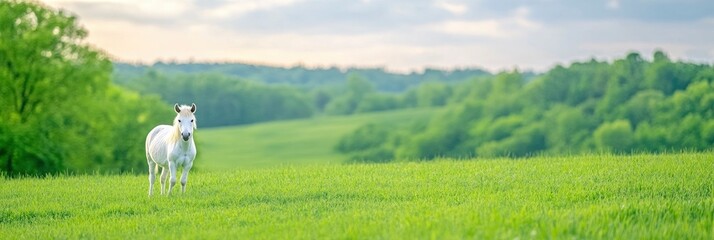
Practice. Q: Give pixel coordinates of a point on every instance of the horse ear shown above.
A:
(176, 108)
(193, 107)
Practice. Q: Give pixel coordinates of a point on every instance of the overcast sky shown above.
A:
(401, 35)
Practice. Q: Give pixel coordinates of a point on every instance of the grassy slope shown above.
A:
(602, 197)
(297, 142)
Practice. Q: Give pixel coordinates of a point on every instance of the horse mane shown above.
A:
(176, 133)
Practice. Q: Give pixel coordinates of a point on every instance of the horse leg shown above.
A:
(152, 175)
(184, 176)
(172, 176)
(162, 180)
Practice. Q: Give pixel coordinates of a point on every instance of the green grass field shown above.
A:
(296, 142)
(591, 197)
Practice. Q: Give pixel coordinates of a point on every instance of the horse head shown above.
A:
(185, 120)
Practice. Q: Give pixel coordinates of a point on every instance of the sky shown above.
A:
(399, 35)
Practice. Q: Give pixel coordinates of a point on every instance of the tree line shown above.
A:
(227, 100)
(629, 105)
(301, 77)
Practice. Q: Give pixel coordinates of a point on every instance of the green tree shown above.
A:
(616, 136)
(364, 137)
(62, 113)
(643, 107)
(662, 74)
(568, 128)
(321, 98)
(651, 138)
(47, 72)
(523, 142)
(627, 79)
(629, 105)
(378, 102)
(432, 94)
(358, 88)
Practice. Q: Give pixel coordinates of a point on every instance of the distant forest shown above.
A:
(233, 93)
(299, 76)
(629, 105)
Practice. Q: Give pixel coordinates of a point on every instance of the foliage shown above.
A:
(61, 112)
(629, 105)
(614, 136)
(366, 144)
(301, 77)
(235, 93)
(364, 137)
(583, 197)
(226, 100)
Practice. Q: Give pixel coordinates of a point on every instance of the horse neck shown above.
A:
(175, 136)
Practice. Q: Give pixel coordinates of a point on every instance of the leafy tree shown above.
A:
(568, 129)
(661, 75)
(442, 137)
(708, 132)
(651, 138)
(321, 98)
(61, 111)
(226, 100)
(628, 105)
(47, 72)
(358, 88)
(432, 94)
(364, 137)
(523, 142)
(686, 134)
(614, 136)
(378, 102)
(368, 143)
(643, 107)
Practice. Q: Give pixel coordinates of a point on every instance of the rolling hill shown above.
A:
(294, 142)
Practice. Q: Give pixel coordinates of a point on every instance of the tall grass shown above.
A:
(593, 197)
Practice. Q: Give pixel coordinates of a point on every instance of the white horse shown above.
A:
(171, 147)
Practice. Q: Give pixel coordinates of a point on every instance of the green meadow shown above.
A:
(521, 142)
(297, 142)
(578, 197)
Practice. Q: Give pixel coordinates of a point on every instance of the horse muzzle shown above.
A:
(185, 136)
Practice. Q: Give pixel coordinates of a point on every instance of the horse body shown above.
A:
(162, 151)
(170, 147)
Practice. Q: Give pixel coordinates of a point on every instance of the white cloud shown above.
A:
(425, 35)
(235, 8)
(520, 19)
(516, 24)
(483, 28)
(155, 8)
(453, 8)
